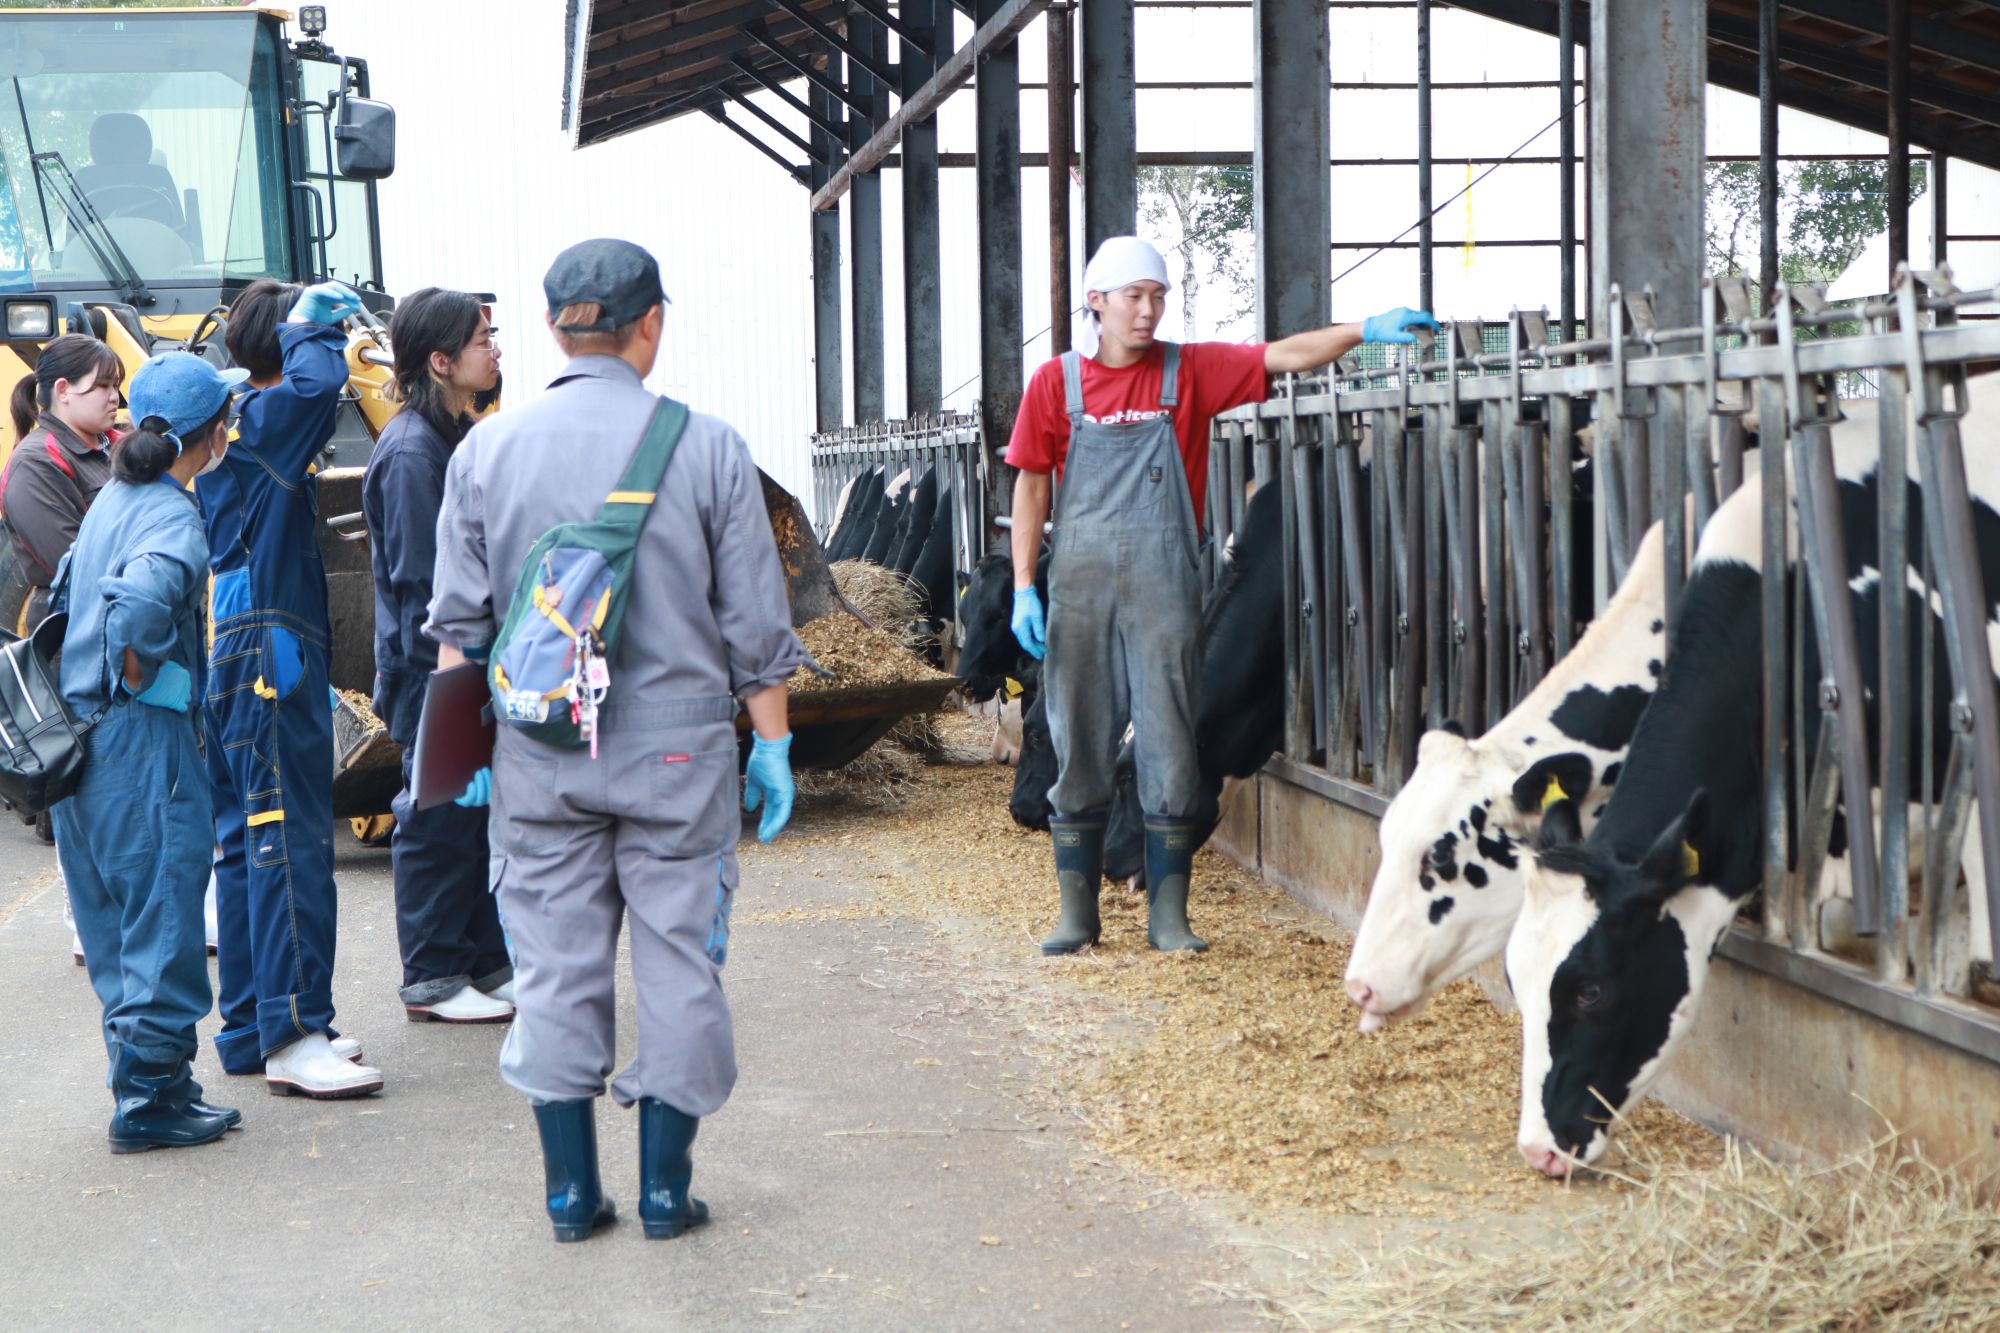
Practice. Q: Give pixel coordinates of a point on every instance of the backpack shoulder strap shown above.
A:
(640, 483)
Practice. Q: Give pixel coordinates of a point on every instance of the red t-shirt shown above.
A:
(1214, 377)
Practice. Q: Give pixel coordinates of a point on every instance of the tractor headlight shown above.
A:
(312, 20)
(31, 319)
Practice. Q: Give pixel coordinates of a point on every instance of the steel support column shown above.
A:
(1898, 184)
(929, 21)
(1110, 122)
(997, 109)
(1293, 187)
(828, 403)
(1940, 209)
(1767, 153)
(1062, 141)
(1426, 269)
(1566, 82)
(864, 222)
(1648, 80)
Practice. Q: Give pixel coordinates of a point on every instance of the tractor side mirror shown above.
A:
(366, 138)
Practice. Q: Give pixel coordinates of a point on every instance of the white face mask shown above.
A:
(215, 457)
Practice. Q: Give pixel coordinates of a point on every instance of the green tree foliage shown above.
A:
(1204, 215)
(1827, 211)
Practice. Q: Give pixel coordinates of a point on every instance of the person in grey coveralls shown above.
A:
(646, 830)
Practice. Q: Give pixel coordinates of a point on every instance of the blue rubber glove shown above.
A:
(172, 688)
(333, 698)
(767, 781)
(477, 792)
(1394, 326)
(1031, 630)
(325, 303)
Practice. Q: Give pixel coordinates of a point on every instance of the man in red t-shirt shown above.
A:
(1124, 429)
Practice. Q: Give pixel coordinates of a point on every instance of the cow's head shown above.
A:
(1450, 880)
(1607, 963)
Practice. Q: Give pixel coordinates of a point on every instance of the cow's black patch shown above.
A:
(1653, 668)
(1611, 772)
(1605, 721)
(1443, 857)
(1478, 817)
(1659, 626)
(1498, 849)
(1572, 772)
(1439, 906)
(1475, 874)
(1428, 881)
(1527, 740)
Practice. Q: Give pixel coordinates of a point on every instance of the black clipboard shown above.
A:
(454, 734)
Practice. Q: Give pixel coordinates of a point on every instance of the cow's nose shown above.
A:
(1546, 1160)
(1361, 992)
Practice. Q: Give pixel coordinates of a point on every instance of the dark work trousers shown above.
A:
(446, 921)
(270, 758)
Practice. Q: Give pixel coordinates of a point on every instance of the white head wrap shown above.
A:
(1119, 262)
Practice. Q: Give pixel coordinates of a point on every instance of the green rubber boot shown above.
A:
(1169, 862)
(577, 1206)
(1079, 841)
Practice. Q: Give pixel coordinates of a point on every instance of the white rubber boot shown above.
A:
(347, 1048)
(309, 1068)
(504, 992)
(464, 1005)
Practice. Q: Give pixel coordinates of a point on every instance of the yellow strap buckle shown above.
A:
(1553, 794)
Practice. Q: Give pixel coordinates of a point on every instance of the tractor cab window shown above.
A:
(143, 148)
(340, 217)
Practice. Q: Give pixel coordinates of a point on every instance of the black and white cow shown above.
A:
(991, 655)
(1618, 929)
(1448, 886)
(854, 524)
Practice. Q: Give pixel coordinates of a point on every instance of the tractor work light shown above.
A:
(312, 19)
(31, 318)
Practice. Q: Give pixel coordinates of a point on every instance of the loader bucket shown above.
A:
(808, 581)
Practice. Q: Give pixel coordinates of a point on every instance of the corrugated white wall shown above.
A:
(487, 191)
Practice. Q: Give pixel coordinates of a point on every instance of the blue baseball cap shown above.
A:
(181, 389)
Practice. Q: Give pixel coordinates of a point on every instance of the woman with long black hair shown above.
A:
(455, 966)
(136, 838)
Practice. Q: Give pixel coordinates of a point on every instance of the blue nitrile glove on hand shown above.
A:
(172, 688)
(767, 781)
(333, 698)
(1395, 325)
(477, 792)
(1030, 629)
(325, 303)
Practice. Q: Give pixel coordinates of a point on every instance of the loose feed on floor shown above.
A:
(1239, 1072)
(1881, 1240)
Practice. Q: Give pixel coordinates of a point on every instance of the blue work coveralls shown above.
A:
(270, 731)
(134, 841)
(446, 921)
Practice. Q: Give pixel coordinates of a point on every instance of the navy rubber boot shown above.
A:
(1169, 863)
(577, 1205)
(666, 1171)
(152, 1106)
(1079, 841)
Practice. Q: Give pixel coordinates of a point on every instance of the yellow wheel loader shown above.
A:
(153, 164)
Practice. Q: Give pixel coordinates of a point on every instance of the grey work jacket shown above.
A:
(708, 614)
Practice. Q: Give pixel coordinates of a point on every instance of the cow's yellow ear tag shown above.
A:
(1690, 860)
(1014, 690)
(1553, 794)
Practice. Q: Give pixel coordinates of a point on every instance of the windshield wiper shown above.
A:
(85, 222)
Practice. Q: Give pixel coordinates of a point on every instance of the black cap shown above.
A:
(616, 275)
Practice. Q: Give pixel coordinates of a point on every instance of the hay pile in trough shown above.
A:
(883, 597)
(1881, 1240)
(857, 655)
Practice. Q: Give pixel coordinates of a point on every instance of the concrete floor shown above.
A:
(872, 1172)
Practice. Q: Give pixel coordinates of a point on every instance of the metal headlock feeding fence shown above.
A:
(1439, 551)
(949, 444)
